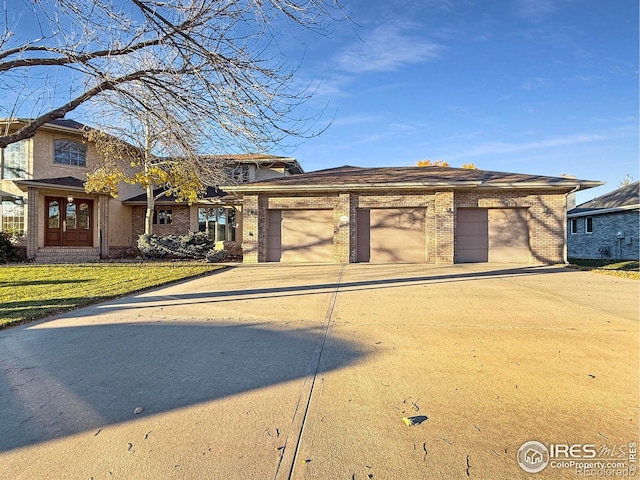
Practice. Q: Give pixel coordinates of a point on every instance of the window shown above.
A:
(54, 214)
(574, 226)
(240, 174)
(12, 215)
(218, 223)
(588, 225)
(14, 160)
(68, 152)
(162, 216)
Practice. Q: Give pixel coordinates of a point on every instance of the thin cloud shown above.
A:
(535, 9)
(356, 119)
(534, 84)
(497, 148)
(389, 47)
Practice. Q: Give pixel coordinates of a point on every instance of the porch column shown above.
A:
(103, 225)
(33, 196)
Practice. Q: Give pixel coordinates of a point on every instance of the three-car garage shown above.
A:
(406, 215)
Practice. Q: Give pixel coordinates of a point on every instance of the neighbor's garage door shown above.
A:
(300, 236)
(391, 235)
(492, 235)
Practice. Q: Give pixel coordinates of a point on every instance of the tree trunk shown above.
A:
(148, 217)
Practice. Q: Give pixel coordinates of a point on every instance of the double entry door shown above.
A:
(69, 223)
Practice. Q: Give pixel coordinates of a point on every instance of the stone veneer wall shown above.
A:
(605, 228)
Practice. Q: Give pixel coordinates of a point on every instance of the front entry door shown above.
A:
(69, 224)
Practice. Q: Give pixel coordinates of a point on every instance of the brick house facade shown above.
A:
(539, 201)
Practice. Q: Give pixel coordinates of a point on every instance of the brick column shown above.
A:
(33, 196)
(342, 227)
(250, 229)
(445, 227)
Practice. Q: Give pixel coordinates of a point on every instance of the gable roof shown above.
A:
(360, 178)
(623, 198)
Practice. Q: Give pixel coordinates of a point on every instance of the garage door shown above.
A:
(391, 235)
(300, 236)
(492, 235)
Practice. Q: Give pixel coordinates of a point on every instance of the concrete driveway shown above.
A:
(306, 372)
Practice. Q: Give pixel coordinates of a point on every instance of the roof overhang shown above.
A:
(25, 184)
(459, 185)
(601, 211)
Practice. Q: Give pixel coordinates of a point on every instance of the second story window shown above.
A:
(13, 160)
(240, 174)
(68, 152)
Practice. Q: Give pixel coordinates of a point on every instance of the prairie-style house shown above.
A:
(272, 211)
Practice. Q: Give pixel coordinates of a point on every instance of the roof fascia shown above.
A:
(51, 186)
(409, 186)
(600, 211)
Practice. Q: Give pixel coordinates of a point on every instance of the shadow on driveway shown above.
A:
(140, 301)
(60, 381)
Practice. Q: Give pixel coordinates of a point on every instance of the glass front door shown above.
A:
(69, 224)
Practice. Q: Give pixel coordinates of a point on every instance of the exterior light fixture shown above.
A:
(70, 198)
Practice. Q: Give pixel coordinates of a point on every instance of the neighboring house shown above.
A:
(44, 201)
(607, 226)
(406, 214)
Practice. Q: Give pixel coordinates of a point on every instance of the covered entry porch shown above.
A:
(64, 223)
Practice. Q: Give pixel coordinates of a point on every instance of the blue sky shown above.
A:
(529, 86)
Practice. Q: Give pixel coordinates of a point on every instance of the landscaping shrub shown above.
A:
(9, 252)
(216, 255)
(192, 245)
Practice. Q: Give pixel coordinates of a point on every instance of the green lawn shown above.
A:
(618, 268)
(28, 292)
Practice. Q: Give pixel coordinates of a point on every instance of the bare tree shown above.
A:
(158, 152)
(215, 62)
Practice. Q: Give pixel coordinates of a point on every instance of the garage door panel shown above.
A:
(508, 235)
(472, 243)
(307, 236)
(397, 235)
(274, 243)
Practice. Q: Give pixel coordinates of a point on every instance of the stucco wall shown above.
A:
(605, 227)
(43, 164)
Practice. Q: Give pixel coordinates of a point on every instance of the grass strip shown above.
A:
(617, 268)
(30, 292)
